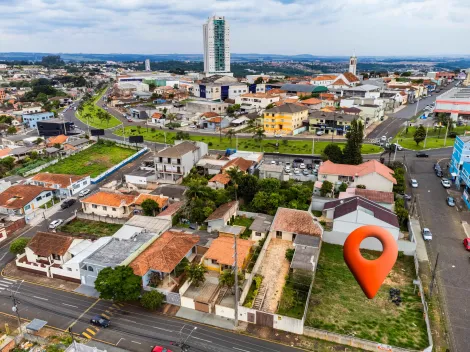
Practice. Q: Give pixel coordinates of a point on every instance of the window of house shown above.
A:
(214, 261)
(278, 234)
(38, 198)
(90, 268)
(94, 206)
(114, 209)
(69, 269)
(105, 208)
(56, 256)
(258, 234)
(48, 194)
(27, 207)
(160, 159)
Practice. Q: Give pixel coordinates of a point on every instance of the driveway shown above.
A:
(453, 273)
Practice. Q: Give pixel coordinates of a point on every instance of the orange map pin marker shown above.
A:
(370, 274)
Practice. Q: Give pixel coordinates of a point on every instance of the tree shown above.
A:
(419, 135)
(150, 207)
(247, 187)
(18, 246)
(269, 185)
(34, 155)
(352, 150)
(227, 279)
(259, 135)
(152, 300)
(11, 130)
(172, 117)
(118, 284)
(333, 153)
(259, 80)
(326, 188)
(38, 141)
(343, 187)
(289, 254)
(195, 273)
(230, 134)
(270, 106)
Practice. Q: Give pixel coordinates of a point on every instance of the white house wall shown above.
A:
(375, 182)
(349, 222)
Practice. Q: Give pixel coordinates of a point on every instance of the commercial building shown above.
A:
(55, 127)
(255, 101)
(285, 119)
(31, 120)
(455, 102)
(216, 46)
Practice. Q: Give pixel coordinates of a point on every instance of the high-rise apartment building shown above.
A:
(216, 46)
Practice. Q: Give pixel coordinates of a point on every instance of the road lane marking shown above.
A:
(4, 278)
(5, 285)
(156, 327)
(69, 305)
(106, 316)
(86, 311)
(44, 299)
(130, 321)
(122, 338)
(197, 338)
(239, 349)
(86, 335)
(91, 331)
(136, 342)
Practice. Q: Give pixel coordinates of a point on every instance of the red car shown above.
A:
(466, 243)
(161, 349)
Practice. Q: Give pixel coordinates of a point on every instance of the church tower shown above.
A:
(353, 64)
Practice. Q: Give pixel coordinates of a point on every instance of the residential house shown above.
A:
(371, 113)
(372, 173)
(221, 254)
(219, 181)
(109, 204)
(324, 80)
(256, 101)
(64, 185)
(171, 211)
(215, 123)
(160, 200)
(231, 230)
(345, 80)
(31, 120)
(75, 145)
(363, 91)
(158, 119)
(222, 215)
(384, 199)
(288, 223)
(351, 213)
(49, 253)
(260, 226)
(142, 178)
(158, 262)
(24, 199)
(285, 119)
(175, 162)
(330, 122)
(301, 90)
(271, 171)
(175, 193)
(312, 103)
(350, 111)
(205, 106)
(242, 164)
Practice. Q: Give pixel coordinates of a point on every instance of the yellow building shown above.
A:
(284, 119)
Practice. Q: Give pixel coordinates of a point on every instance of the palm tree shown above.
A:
(196, 190)
(171, 117)
(227, 278)
(230, 134)
(258, 136)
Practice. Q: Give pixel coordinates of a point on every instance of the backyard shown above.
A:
(97, 228)
(243, 221)
(90, 115)
(244, 143)
(435, 138)
(338, 304)
(92, 161)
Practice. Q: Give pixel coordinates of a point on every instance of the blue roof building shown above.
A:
(31, 120)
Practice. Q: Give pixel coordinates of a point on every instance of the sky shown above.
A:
(317, 27)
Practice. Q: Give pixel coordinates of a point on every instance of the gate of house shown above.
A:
(264, 319)
(173, 298)
(202, 307)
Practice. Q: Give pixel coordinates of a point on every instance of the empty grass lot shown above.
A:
(91, 110)
(97, 228)
(92, 161)
(434, 139)
(338, 304)
(248, 144)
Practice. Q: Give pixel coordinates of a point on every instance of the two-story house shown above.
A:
(64, 185)
(337, 123)
(256, 101)
(285, 119)
(31, 120)
(373, 174)
(175, 162)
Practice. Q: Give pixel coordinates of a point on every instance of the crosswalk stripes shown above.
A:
(6, 283)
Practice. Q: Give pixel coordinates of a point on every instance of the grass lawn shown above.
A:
(434, 139)
(89, 227)
(246, 222)
(338, 304)
(93, 120)
(248, 144)
(92, 161)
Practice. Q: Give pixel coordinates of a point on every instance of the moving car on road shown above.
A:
(67, 203)
(422, 155)
(98, 320)
(427, 235)
(414, 183)
(398, 146)
(56, 223)
(320, 133)
(450, 201)
(83, 193)
(445, 183)
(160, 349)
(466, 243)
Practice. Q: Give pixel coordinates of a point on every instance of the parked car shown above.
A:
(84, 193)
(309, 166)
(466, 243)
(296, 171)
(56, 223)
(67, 203)
(405, 196)
(414, 183)
(427, 235)
(445, 183)
(302, 166)
(160, 349)
(450, 202)
(422, 155)
(320, 133)
(273, 162)
(98, 320)
(398, 146)
(298, 160)
(439, 173)
(306, 172)
(287, 168)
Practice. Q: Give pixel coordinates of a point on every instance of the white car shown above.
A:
(287, 168)
(56, 223)
(383, 138)
(296, 171)
(302, 166)
(414, 183)
(398, 146)
(427, 235)
(273, 162)
(192, 126)
(83, 193)
(320, 133)
(445, 183)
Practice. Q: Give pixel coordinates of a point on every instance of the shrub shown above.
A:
(289, 254)
(152, 300)
(18, 246)
(210, 144)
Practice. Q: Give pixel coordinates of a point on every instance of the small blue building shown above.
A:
(31, 120)
(460, 156)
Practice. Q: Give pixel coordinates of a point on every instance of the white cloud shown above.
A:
(322, 27)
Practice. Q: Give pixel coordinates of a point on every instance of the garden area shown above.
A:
(435, 137)
(295, 293)
(243, 221)
(244, 143)
(92, 161)
(95, 116)
(97, 228)
(337, 303)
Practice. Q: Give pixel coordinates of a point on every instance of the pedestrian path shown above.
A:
(420, 245)
(6, 284)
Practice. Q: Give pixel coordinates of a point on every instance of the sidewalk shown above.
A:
(205, 318)
(40, 215)
(420, 245)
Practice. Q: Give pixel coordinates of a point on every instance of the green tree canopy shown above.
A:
(150, 207)
(195, 273)
(152, 300)
(326, 188)
(352, 150)
(18, 246)
(333, 153)
(119, 284)
(419, 135)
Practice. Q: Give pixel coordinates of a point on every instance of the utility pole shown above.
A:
(433, 276)
(425, 138)
(447, 129)
(236, 279)
(417, 104)
(15, 309)
(313, 145)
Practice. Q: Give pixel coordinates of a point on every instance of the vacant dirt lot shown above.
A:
(274, 270)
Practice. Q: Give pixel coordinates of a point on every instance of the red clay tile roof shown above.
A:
(221, 178)
(109, 199)
(351, 77)
(241, 163)
(162, 201)
(18, 196)
(222, 250)
(45, 244)
(340, 82)
(366, 168)
(215, 119)
(300, 222)
(210, 114)
(57, 179)
(57, 139)
(156, 115)
(171, 209)
(220, 211)
(275, 91)
(325, 78)
(5, 152)
(164, 253)
(376, 196)
(311, 101)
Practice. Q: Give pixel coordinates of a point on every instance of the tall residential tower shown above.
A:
(216, 46)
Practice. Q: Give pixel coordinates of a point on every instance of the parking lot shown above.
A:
(445, 224)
